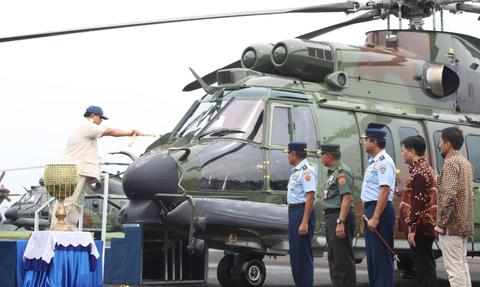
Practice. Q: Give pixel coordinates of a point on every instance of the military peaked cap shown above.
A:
(329, 148)
(375, 133)
(296, 146)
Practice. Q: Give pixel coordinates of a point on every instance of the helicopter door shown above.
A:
(288, 124)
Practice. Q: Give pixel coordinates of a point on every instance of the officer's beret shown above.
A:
(329, 148)
(296, 146)
(375, 133)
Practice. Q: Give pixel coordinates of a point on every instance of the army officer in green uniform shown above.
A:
(337, 204)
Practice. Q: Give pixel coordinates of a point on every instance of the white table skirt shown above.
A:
(41, 244)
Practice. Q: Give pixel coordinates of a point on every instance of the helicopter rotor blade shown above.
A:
(469, 8)
(212, 77)
(348, 6)
(2, 176)
(360, 19)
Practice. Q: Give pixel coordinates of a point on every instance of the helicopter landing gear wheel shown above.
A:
(250, 273)
(225, 271)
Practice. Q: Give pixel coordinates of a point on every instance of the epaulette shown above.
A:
(339, 168)
(382, 158)
(304, 167)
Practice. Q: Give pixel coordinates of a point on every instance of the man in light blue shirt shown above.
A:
(302, 189)
(377, 195)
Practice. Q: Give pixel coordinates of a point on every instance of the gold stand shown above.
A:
(61, 181)
(61, 214)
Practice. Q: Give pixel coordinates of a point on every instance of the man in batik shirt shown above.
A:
(455, 207)
(418, 210)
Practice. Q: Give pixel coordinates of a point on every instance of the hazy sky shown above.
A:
(136, 74)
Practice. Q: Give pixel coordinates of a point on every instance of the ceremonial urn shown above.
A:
(60, 181)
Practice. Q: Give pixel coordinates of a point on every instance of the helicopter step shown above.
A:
(139, 258)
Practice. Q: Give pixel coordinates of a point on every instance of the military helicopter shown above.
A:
(22, 213)
(219, 177)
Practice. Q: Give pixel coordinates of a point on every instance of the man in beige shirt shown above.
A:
(83, 152)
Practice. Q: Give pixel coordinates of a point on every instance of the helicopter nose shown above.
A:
(149, 175)
(11, 213)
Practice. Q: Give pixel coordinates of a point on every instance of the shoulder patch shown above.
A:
(340, 175)
(382, 168)
(307, 172)
(308, 177)
(341, 181)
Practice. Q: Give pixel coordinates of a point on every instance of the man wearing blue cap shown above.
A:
(82, 151)
(377, 195)
(302, 188)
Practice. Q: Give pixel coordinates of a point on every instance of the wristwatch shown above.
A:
(340, 221)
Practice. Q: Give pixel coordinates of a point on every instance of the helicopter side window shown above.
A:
(389, 144)
(404, 133)
(436, 138)
(281, 126)
(280, 170)
(304, 126)
(242, 119)
(473, 150)
(95, 205)
(230, 165)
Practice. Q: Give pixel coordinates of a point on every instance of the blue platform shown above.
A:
(138, 259)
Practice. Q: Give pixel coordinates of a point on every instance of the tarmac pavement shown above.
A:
(279, 273)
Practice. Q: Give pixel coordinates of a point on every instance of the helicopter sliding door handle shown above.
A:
(185, 155)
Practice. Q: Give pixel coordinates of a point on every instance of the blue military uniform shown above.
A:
(302, 181)
(380, 171)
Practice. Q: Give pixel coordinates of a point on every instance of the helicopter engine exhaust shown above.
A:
(257, 58)
(441, 80)
(144, 178)
(304, 59)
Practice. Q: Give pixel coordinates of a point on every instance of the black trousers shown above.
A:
(424, 260)
(341, 260)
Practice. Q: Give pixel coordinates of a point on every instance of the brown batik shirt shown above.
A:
(455, 195)
(418, 208)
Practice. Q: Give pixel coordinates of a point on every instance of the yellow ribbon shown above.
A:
(132, 137)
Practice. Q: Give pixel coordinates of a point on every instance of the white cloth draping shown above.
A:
(41, 244)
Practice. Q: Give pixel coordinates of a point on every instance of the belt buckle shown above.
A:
(288, 205)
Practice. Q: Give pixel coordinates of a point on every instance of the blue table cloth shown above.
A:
(70, 266)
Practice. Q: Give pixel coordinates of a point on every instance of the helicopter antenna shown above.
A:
(208, 89)
(400, 15)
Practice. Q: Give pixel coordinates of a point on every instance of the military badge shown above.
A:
(382, 168)
(341, 181)
(308, 177)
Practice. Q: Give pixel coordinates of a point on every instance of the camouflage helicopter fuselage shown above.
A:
(230, 143)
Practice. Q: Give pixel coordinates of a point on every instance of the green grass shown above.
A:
(24, 235)
(15, 234)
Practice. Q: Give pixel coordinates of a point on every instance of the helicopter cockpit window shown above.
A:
(200, 118)
(436, 138)
(242, 119)
(34, 198)
(304, 126)
(473, 150)
(389, 146)
(245, 92)
(230, 165)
